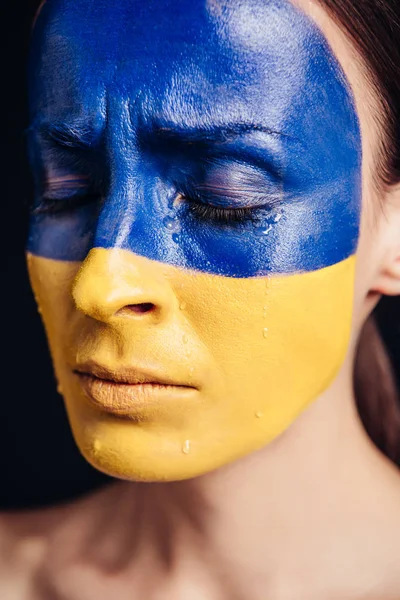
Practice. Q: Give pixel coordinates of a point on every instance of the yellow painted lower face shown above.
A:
(258, 352)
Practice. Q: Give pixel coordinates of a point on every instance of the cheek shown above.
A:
(279, 342)
(52, 284)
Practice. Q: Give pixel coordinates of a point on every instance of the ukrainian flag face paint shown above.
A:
(192, 241)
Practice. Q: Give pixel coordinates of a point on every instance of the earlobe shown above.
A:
(389, 284)
(388, 280)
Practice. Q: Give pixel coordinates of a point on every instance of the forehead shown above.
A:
(192, 60)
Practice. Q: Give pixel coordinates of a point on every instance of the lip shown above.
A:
(129, 390)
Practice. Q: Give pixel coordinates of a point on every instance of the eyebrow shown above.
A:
(66, 135)
(212, 134)
(80, 135)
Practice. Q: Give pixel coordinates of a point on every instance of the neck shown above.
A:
(264, 521)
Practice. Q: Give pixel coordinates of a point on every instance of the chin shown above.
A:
(153, 452)
(143, 457)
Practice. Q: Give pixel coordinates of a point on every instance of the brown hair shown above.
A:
(374, 28)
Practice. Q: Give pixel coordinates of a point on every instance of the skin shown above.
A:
(313, 514)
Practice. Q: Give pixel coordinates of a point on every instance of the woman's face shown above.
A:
(197, 216)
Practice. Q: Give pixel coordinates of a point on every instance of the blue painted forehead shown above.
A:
(192, 60)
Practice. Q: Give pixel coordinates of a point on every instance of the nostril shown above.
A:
(139, 309)
(145, 307)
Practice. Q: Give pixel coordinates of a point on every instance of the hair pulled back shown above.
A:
(374, 28)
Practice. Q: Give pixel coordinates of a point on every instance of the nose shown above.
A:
(119, 284)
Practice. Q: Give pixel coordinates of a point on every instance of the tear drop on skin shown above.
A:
(182, 305)
(259, 415)
(191, 371)
(186, 447)
(59, 390)
(263, 231)
(175, 238)
(97, 446)
(265, 332)
(172, 224)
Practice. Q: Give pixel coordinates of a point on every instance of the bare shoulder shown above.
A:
(42, 552)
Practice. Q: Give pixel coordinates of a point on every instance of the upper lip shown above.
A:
(126, 375)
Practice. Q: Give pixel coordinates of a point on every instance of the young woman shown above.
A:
(217, 213)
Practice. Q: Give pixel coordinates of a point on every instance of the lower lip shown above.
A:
(125, 398)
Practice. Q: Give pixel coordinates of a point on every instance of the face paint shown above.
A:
(198, 177)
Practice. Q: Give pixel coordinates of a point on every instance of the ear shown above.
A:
(388, 277)
(389, 284)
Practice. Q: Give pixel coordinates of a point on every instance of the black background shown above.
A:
(39, 463)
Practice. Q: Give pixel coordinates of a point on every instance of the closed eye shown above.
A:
(230, 191)
(54, 206)
(65, 193)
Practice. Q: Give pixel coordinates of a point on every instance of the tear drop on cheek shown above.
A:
(59, 390)
(172, 224)
(259, 415)
(182, 305)
(265, 332)
(97, 446)
(186, 447)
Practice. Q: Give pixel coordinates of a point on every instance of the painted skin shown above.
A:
(198, 190)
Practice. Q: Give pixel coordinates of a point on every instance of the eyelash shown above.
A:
(198, 208)
(56, 206)
(217, 214)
